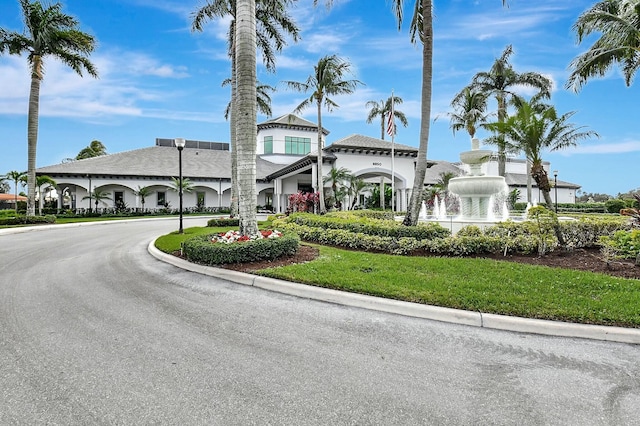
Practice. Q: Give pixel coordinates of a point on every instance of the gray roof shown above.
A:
(159, 161)
(432, 176)
(367, 142)
(519, 179)
(291, 121)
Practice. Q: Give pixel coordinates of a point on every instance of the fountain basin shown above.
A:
(477, 186)
(476, 156)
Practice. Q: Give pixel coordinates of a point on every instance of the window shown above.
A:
(268, 144)
(296, 145)
(161, 198)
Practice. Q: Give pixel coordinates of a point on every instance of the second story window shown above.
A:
(296, 145)
(268, 144)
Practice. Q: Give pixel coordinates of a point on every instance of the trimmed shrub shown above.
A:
(27, 220)
(222, 222)
(615, 205)
(624, 244)
(201, 250)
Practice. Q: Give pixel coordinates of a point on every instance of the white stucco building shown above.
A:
(285, 164)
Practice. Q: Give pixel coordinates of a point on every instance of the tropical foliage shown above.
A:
(95, 149)
(381, 109)
(618, 23)
(48, 32)
(328, 79)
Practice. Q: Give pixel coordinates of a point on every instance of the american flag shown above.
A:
(391, 127)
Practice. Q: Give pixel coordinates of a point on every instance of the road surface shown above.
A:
(93, 330)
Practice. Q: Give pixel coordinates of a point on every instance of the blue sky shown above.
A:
(157, 79)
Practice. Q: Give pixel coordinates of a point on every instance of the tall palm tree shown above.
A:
(272, 21)
(143, 193)
(49, 32)
(245, 54)
(328, 79)
(16, 177)
(533, 129)
(337, 177)
(469, 111)
(95, 149)
(263, 99)
(381, 109)
(618, 22)
(500, 81)
(98, 196)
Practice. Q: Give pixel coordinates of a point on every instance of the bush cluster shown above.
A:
(223, 222)
(27, 220)
(623, 244)
(200, 249)
(355, 223)
(356, 233)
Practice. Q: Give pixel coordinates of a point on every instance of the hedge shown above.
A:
(200, 249)
(221, 222)
(27, 220)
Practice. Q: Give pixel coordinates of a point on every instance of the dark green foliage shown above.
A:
(615, 205)
(220, 222)
(201, 250)
(356, 223)
(27, 220)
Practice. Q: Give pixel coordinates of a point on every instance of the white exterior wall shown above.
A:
(279, 134)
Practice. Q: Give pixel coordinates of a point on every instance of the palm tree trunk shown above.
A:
(382, 125)
(542, 180)
(413, 210)
(233, 139)
(502, 157)
(322, 208)
(32, 139)
(246, 114)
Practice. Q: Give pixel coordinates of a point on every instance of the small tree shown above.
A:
(98, 196)
(143, 192)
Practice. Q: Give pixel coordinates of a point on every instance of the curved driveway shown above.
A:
(93, 330)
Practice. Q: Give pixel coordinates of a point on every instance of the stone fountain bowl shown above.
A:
(476, 156)
(477, 186)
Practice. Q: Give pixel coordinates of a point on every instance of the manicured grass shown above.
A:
(484, 285)
(172, 242)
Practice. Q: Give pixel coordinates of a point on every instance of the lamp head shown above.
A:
(555, 173)
(179, 142)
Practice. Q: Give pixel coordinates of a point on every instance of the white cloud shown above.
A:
(605, 148)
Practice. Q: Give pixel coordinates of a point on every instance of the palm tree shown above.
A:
(337, 177)
(16, 177)
(41, 181)
(381, 109)
(95, 149)
(328, 79)
(97, 196)
(534, 129)
(618, 21)
(271, 19)
(470, 108)
(144, 192)
(187, 185)
(263, 99)
(500, 81)
(49, 32)
(356, 186)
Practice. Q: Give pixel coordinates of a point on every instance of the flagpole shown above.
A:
(393, 174)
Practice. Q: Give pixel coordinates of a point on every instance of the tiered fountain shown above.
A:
(476, 191)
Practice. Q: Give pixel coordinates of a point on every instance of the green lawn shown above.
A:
(473, 284)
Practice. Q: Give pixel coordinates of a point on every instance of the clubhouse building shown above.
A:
(285, 164)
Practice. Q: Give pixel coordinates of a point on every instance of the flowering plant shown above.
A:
(234, 236)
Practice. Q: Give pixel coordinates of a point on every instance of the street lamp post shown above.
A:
(555, 185)
(180, 143)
